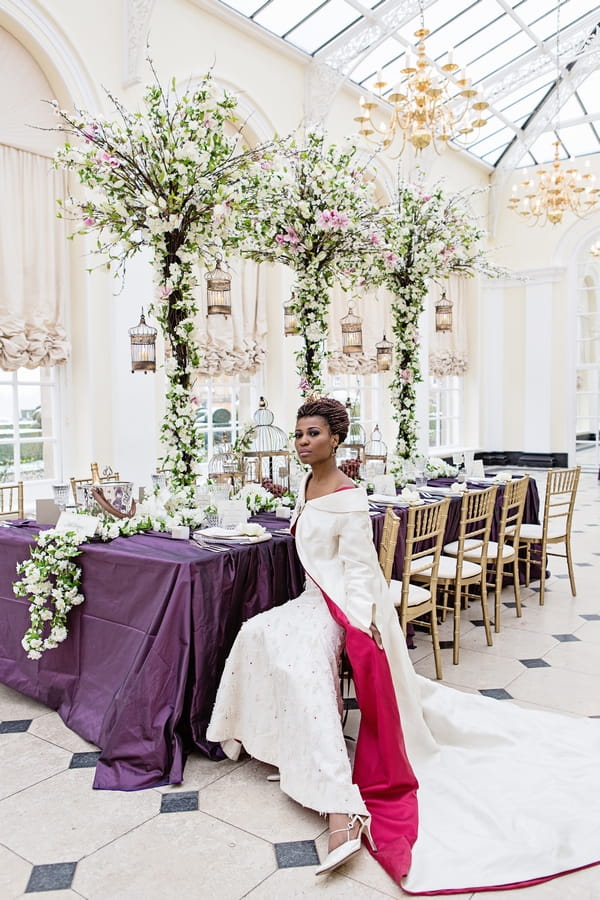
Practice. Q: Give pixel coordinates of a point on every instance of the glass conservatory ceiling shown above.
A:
(510, 49)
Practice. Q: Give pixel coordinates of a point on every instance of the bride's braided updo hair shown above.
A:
(334, 413)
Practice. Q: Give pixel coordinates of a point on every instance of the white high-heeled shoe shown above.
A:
(343, 852)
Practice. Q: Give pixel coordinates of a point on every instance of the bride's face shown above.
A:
(313, 440)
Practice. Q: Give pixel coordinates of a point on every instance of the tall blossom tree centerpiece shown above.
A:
(320, 221)
(428, 235)
(173, 177)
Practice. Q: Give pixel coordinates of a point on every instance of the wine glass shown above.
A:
(61, 495)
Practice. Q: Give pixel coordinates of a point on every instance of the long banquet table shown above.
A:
(138, 672)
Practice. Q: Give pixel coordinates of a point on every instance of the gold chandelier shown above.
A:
(556, 192)
(429, 108)
(595, 249)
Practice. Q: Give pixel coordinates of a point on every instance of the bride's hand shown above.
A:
(376, 635)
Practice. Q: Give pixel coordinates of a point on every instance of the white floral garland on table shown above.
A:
(51, 578)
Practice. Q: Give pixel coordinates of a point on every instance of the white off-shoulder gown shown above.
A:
(506, 795)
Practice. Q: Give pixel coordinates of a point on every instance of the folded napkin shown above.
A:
(503, 477)
(384, 498)
(244, 533)
(411, 497)
(458, 487)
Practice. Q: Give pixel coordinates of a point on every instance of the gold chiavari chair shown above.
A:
(11, 501)
(534, 540)
(424, 539)
(457, 574)
(387, 545)
(501, 553)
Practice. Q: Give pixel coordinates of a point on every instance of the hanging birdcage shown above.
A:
(384, 350)
(351, 332)
(268, 457)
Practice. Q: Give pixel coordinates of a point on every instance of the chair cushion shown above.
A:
(508, 552)
(447, 568)
(421, 565)
(534, 532)
(452, 549)
(416, 594)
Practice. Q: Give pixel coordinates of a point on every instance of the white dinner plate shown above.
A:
(220, 535)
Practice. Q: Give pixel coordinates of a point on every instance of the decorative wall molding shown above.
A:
(136, 15)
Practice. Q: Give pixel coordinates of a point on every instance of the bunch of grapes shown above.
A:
(275, 489)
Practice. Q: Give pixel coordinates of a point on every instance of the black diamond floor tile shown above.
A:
(84, 760)
(479, 622)
(510, 604)
(496, 693)
(16, 726)
(52, 877)
(446, 645)
(590, 617)
(584, 565)
(535, 663)
(292, 854)
(350, 703)
(565, 638)
(181, 801)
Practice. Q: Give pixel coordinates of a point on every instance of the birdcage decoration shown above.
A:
(384, 350)
(268, 455)
(443, 314)
(290, 319)
(223, 468)
(351, 332)
(353, 447)
(218, 292)
(375, 454)
(142, 338)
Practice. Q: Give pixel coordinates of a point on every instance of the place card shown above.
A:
(81, 522)
(180, 532)
(283, 512)
(46, 512)
(476, 469)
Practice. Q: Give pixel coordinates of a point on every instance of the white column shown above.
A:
(539, 361)
(491, 366)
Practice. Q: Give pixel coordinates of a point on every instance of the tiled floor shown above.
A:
(227, 832)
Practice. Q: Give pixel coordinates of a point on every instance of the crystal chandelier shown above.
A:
(429, 107)
(556, 192)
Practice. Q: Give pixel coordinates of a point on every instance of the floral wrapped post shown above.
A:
(319, 221)
(171, 178)
(428, 236)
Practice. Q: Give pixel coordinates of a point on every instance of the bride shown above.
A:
(453, 791)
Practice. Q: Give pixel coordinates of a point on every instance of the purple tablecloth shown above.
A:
(139, 670)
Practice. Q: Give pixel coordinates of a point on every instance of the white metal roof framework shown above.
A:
(509, 47)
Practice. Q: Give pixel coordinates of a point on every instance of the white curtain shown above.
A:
(449, 350)
(236, 343)
(33, 262)
(373, 308)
